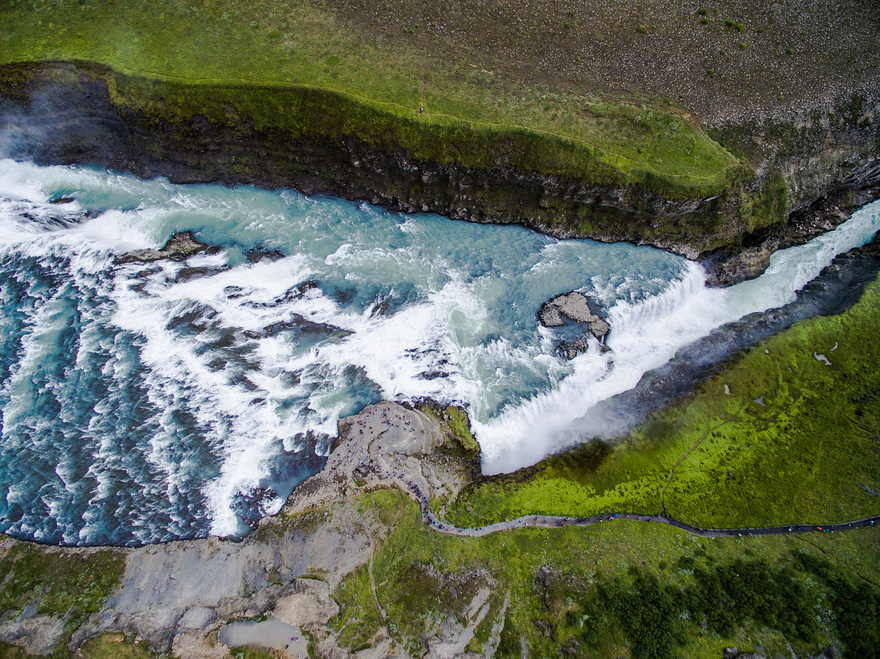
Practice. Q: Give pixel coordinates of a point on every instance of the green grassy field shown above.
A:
(374, 87)
(606, 590)
(794, 441)
(68, 585)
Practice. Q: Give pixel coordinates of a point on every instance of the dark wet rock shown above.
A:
(381, 308)
(433, 375)
(299, 325)
(344, 295)
(55, 221)
(574, 306)
(178, 248)
(290, 295)
(233, 292)
(241, 380)
(571, 349)
(197, 318)
(251, 505)
(186, 274)
(226, 339)
(260, 253)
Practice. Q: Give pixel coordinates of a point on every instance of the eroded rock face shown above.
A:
(310, 603)
(36, 634)
(178, 248)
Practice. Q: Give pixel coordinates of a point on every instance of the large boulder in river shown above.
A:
(178, 248)
(574, 306)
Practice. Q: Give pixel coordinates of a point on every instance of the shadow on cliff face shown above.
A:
(50, 125)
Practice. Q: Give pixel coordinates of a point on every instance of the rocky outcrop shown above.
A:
(577, 308)
(179, 247)
(819, 215)
(36, 634)
(574, 306)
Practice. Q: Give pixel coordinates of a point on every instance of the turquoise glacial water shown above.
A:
(147, 402)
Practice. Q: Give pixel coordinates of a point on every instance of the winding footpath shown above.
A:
(550, 521)
(406, 436)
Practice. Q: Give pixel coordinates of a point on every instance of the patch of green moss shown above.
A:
(359, 618)
(114, 646)
(457, 420)
(767, 208)
(66, 584)
(387, 504)
(61, 583)
(8, 651)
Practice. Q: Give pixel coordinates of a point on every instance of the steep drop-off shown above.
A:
(323, 141)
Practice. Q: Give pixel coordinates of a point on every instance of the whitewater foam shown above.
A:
(146, 402)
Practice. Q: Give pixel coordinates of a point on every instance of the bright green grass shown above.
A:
(359, 618)
(298, 45)
(548, 577)
(809, 453)
(458, 423)
(64, 583)
(116, 646)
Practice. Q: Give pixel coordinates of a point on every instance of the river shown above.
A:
(149, 402)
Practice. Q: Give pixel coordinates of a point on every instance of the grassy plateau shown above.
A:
(613, 590)
(329, 78)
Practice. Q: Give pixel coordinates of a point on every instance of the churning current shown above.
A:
(148, 402)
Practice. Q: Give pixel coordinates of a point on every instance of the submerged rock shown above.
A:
(260, 253)
(187, 274)
(291, 294)
(178, 248)
(300, 325)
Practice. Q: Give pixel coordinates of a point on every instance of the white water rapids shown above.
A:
(146, 402)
